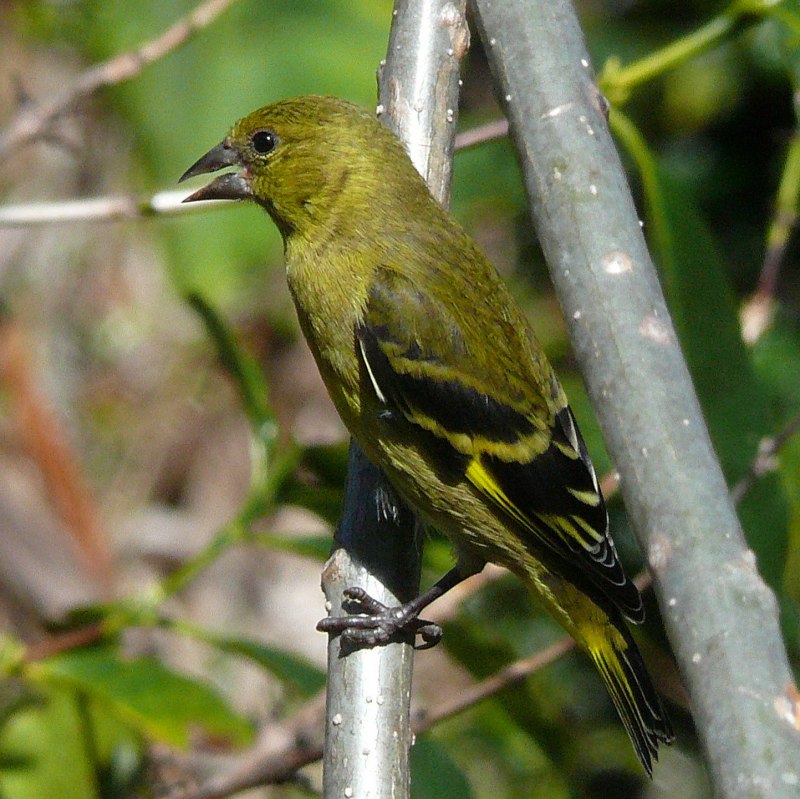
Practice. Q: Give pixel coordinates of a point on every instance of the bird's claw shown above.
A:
(375, 624)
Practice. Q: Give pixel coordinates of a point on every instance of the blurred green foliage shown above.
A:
(705, 137)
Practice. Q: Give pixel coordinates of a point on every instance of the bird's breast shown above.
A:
(329, 301)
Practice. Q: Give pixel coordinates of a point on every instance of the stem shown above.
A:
(617, 82)
(784, 218)
(89, 740)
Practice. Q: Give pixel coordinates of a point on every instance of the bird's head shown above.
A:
(301, 157)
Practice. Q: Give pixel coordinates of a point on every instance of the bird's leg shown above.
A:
(378, 624)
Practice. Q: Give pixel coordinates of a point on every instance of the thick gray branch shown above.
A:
(721, 618)
(368, 733)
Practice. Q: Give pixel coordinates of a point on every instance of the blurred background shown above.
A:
(135, 514)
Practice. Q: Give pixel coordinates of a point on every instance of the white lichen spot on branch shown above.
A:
(653, 328)
(556, 111)
(617, 262)
(659, 553)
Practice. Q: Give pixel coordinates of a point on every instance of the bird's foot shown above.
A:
(377, 624)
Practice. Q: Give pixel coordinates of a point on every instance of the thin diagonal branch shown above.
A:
(764, 462)
(35, 120)
(758, 311)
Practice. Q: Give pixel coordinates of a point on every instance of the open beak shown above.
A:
(230, 186)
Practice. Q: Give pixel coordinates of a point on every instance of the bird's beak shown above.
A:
(230, 186)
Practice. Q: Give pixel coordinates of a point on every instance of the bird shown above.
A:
(439, 378)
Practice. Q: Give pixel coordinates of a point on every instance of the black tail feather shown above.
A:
(623, 671)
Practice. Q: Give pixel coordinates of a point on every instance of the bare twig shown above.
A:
(45, 441)
(281, 750)
(165, 203)
(513, 673)
(34, 120)
(757, 312)
(480, 135)
(100, 209)
(764, 462)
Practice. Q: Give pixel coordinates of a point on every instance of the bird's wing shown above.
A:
(422, 369)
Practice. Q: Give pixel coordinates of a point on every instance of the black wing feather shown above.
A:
(460, 408)
(541, 490)
(555, 497)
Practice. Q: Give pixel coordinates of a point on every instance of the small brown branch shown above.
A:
(63, 642)
(483, 133)
(510, 675)
(281, 750)
(758, 311)
(33, 120)
(48, 446)
(764, 462)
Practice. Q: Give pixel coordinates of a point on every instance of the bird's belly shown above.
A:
(449, 503)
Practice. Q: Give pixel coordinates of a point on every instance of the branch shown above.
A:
(367, 731)
(724, 629)
(480, 135)
(100, 209)
(757, 313)
(764, 462)
(34, 120)
(167, 203)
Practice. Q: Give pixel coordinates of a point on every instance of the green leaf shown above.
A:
(318, 482)
(286, 666)
(316, 547)
(53, 749)
(435, 773)
(327, 461)
(325, 501)
(42, 753)
(240, 365)
(156, 701)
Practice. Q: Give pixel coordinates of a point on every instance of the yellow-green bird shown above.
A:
(437, 374)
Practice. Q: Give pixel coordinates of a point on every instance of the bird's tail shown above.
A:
(620, 664)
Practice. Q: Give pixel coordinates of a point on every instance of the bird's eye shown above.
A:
(264, 141)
